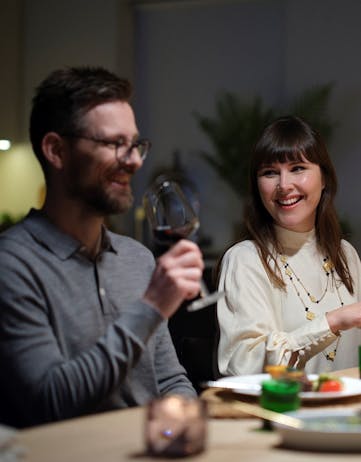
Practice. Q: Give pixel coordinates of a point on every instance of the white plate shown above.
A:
(333, 435)
(251, 385)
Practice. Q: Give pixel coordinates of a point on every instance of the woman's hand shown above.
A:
(344, 318)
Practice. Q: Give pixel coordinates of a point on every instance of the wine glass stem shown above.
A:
(204, 289)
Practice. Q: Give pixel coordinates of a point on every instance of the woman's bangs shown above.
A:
(281, 155)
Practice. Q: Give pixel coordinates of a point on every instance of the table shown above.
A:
(117, 436)
(351, 372)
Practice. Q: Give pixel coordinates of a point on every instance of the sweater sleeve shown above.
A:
(252, 331)
(354, 263)
(171, 376)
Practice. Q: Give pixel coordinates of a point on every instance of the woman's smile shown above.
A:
(289, 201)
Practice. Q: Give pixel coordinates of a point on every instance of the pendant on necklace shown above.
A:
(310, 315)
(328, 266)
(331, 356)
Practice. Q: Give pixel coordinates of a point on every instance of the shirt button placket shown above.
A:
(102, 291)
(103, 298)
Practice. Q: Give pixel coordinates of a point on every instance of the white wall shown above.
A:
(10, 58)
(323, 39)
(74, 32)
(38, 36)
(186, 53)
(21, 181)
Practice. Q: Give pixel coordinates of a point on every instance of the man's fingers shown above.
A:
(183, 254)
(182, 246)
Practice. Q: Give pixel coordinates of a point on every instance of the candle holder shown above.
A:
(176, 426)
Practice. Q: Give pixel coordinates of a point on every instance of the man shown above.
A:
(82, 310)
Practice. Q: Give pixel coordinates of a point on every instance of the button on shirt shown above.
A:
(102, 292)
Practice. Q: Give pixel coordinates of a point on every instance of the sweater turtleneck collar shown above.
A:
(292, 240)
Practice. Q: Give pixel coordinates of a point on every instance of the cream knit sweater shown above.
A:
(260, 324)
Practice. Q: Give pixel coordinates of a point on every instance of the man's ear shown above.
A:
(53, 147)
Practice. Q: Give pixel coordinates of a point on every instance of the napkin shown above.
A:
(219, 403)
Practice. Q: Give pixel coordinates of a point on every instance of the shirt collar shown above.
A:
(293, 240)
(61, 244)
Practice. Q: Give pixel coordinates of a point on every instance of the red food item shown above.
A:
(331, 385)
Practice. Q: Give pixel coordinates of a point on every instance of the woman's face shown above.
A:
(291, 192)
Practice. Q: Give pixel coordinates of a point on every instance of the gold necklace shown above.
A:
(328, 268)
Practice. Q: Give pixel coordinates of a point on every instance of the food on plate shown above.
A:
(276, 371)
(279, 372)
(323, 383)
(331, 385)
(327, 383)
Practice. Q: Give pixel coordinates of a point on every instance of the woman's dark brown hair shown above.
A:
(290, 138)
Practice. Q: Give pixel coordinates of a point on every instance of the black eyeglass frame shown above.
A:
(144, 143)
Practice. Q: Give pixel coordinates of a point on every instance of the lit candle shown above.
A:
(175, 426)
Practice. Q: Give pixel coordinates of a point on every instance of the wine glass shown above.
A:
(172, 218)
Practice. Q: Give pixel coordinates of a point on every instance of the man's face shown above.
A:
(93, 174)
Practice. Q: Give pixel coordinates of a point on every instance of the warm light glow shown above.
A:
(21, 181)
(5, 145)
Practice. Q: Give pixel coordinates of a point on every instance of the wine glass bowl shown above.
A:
(171, 218)
(169, 212)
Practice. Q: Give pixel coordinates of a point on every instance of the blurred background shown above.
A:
(207, 75)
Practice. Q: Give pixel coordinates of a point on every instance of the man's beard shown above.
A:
(96, 198)
(102, 203)
(93, 193)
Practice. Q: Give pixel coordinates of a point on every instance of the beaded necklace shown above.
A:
(328, 268)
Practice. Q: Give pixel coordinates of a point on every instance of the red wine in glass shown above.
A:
(167, 236)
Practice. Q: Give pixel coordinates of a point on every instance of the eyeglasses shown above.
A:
(122, 150)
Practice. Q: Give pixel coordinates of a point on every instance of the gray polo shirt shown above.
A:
(74, 336)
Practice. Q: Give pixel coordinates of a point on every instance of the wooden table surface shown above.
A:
(118, 436)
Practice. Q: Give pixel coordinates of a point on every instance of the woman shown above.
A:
(293, 286)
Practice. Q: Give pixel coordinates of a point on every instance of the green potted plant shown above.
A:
(237, 124)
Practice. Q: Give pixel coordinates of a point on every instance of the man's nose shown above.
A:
(133, 158)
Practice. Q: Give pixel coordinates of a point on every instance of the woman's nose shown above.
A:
(285, 182)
